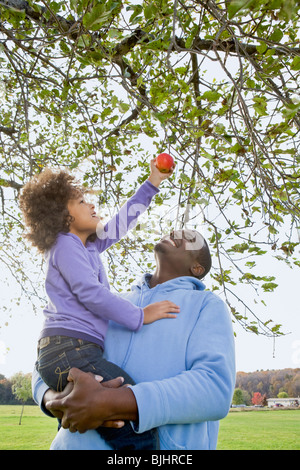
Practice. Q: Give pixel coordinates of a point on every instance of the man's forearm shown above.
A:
(120, 404)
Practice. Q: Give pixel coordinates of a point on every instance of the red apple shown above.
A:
(164, 162)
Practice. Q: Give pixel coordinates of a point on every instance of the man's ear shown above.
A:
(197, 270)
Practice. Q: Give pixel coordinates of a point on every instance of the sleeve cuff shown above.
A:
(39, 388)
(149, 397)
(141, 322)
(151, 186)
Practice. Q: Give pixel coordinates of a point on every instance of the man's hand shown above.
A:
(51, 395)
(156, 176)
(91, 404)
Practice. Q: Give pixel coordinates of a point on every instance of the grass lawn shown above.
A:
(260, 430)
(240, 430)
(36, 431)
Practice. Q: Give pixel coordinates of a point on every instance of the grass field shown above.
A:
(241, 430)
(36, 431)
(260, 430)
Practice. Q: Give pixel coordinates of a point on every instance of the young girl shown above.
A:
(65, 227)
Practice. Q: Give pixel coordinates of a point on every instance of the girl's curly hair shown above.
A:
(43, 202)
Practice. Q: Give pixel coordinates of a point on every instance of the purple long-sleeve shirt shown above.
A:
(80, 303)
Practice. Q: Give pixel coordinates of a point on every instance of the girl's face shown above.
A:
(84, 217)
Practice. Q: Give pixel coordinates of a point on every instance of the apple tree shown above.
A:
(21, 388)
(101, 87)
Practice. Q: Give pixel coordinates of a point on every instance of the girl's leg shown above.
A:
(124, 438)
(58, 354)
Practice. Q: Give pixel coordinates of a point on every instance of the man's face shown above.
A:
(178, 253)
(181, 240)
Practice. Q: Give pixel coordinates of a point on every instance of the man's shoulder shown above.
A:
(204, 300)
(211, 297)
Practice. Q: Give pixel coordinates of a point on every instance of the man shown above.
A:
(184, 369)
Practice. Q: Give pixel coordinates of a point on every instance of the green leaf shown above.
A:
(150, 11)
(137, 9)
(99, 15)
(272, 229)
(123, 107)
(181, 70)
(269, 286)
(236, 6)
(276, 36)
(260, 105)
(295, 65)
(189, 41)
(211, 96)
(262, 48)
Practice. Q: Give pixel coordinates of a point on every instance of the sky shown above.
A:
(20, 330)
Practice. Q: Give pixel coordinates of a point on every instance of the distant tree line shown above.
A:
(16, 390)
(269, 383)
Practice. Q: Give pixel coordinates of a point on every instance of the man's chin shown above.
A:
(160, 247)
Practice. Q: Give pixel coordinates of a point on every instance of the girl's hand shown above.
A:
(160, 310)
(156, 176)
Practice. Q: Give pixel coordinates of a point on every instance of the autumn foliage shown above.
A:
(269, 383)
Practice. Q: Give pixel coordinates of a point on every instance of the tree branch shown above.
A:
(127, 44)
(231, 46)
(10, 184)
(8, 130)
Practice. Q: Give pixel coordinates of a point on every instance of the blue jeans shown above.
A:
(58, 354)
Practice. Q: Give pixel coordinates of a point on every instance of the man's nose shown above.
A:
(179, 234)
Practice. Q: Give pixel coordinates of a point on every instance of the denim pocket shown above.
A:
(55, 372)
(53, 366)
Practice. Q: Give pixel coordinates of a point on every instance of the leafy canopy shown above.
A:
(100, 87)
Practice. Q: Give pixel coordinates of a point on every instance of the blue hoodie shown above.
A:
(184, 368)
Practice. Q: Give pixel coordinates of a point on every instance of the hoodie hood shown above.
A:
(183, 282)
